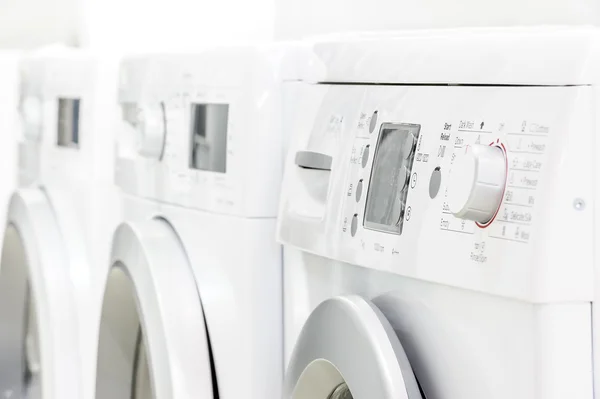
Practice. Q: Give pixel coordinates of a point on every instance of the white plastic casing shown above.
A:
(225, 221)
(254, 142)
(477, 182)
(237, 271)
(9, 124)
(516, 294)
(55, 72)
(75, 183)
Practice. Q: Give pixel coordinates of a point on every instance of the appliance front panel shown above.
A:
(223, 144)
(383, 201)
(460, 343)
(68, 110)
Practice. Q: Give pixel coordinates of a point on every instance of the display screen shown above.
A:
(68, 122)
(390, 177)
(208, 149)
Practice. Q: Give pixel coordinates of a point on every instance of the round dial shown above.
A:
(31, 114)
(151, 129)
(477, 182)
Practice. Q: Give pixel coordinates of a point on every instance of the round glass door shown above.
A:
(122, 364)
(347, 349)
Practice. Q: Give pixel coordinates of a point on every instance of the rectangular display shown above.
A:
(68, 122)
(208, 149)
(390, 177)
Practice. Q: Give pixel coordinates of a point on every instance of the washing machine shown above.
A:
(58, 229)
(9, 126)
(438, 217)
(192, 306)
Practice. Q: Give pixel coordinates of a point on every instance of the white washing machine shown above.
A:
(9, 126)
(59, 225)
(192, 307)
(438, 218)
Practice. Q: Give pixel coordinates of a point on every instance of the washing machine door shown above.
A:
(38, 333)
(153, 339)
(348, 349)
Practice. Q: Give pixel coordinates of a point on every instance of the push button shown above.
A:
(354, 225)
(373, 123)
(365, 155)
(359, 189)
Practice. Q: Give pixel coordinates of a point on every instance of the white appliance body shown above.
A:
(9, 126)
(196, 256)
(9, 131)
(495, 309)
(59, 224)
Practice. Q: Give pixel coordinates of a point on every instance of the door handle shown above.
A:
(313, 160)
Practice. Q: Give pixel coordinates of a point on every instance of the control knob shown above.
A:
(477, 182)
(32, 117)
(151, 129)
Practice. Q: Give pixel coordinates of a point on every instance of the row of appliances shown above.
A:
(385, 216)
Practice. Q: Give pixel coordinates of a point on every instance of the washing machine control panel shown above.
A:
(204, 131)
(478, 187)
(68, 113)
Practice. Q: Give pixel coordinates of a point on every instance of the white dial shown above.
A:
(151, 130)
(31, 114)
(476, 184)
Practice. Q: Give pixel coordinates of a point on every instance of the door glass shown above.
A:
(20, 371)
(123, 371)
(341, 392)
(141, 374)
(321, 380)
(32, 374)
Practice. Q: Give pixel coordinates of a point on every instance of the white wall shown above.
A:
(30, 23)
(180, 24)
(301, 18)
(147, 25)
(141, 25)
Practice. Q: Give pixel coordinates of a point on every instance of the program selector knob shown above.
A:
(151, 130)
(32, 117)
(477, 182)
